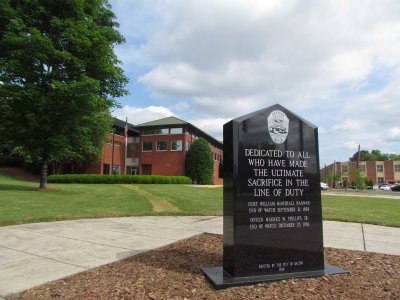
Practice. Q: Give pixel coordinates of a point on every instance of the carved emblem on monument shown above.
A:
(278, 126)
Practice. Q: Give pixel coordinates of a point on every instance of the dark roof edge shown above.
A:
(120, 123)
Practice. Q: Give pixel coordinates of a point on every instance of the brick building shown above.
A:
(154, 148)
(378, 172)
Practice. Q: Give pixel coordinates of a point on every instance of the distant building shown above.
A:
(378, 172)
(164, 143)
(154, 148)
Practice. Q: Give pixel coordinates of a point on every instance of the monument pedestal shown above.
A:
(272, 200)
(222, 280)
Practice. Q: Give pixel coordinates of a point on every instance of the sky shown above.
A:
(336, 63)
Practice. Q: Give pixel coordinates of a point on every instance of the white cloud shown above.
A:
(394, 134)
(335, 62)
(267, 51)
(350, 126)
(212, 126)
(138, 115)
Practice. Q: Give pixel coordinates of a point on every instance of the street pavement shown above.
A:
(33, 254)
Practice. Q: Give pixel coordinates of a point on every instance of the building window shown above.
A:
(147, 146)
(379, 168)
(361, 168)
(106, 169)
(397, 168)
(163, 131)
(161, 146)
(148, 131)
(176, 131)
(176, 145)
(187, 146)
(344, 168)
(146, 169)
(381, 180)
(115, 170)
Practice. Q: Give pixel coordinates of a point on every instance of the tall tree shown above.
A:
(365, 155)
(59, 77)
(199, 162)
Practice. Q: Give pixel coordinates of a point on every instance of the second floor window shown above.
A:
(379, 168)
(147, 146)
(176, 145)
(161, 146)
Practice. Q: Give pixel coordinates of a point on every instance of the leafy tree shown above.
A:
(199, 162)
(364, 156)
(377, 155)
(59, 77)
(331, 178)
(393, 156)
(374, 155)
(361, 180)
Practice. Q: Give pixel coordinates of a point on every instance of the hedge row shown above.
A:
(94, 178)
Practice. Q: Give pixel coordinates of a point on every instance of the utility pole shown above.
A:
(126, 145)
(112, 153)
(358, 155)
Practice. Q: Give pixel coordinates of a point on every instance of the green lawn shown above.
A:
(19, 203)
(379, 211)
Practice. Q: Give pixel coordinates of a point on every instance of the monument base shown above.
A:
(222, 280)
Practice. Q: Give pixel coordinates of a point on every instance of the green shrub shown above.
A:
(118, 179)
(199, 162)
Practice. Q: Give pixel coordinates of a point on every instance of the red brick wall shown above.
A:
(388, 170)
(371, 170)
(106, 158)
(168, 163)
(171, 163)
(93, 168)
(119, 153)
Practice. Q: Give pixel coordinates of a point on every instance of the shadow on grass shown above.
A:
(15, 187)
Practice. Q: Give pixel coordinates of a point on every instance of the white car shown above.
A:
(385, 187)
(324, 186)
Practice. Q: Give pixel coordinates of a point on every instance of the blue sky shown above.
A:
(336, 63)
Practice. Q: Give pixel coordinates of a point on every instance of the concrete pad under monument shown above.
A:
(272, 201)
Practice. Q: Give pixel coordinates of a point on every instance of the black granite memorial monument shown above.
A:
(272, 200)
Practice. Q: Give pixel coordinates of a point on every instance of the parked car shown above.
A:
(385, 187)
(324, 186)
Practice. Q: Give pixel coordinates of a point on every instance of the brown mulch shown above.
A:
(173, 272)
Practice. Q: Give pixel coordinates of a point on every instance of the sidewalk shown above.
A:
(33, 254)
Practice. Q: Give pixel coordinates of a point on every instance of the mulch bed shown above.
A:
(173, 272)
